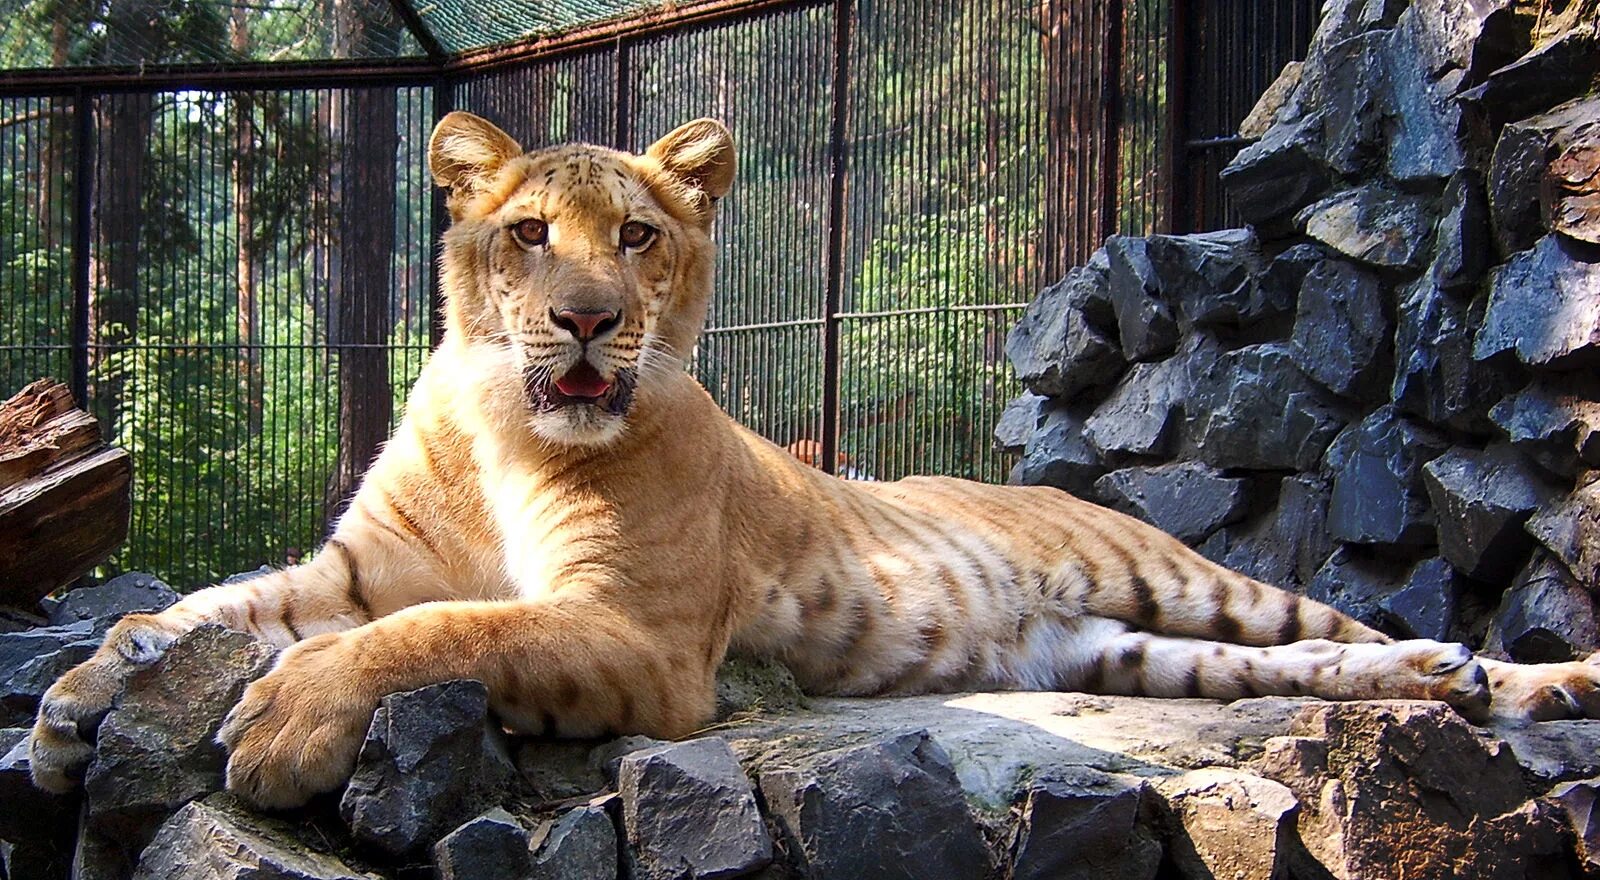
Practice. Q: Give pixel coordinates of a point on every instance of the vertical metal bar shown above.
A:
(1175, 160)
(444, 99)
(1111, 102)
(842, 12)
(622, 125)
(82, 197)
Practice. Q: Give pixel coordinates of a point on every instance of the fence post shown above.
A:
(622, 124)
(1176, 161)
(82, 201)
(834, 295)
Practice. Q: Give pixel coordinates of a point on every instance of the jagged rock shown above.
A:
(887, 809)
(123, 594)
(1231, 824)
(1523, 196)
(157, 749)
(1285, 546)
(1082, 824)
(1483, 498)
(748, 684)
(1282, 279)
(688, 811)
(1547, 616)
(1372, 224)
(1253, 408)
(1271, 106)
(1398, 789)
(30, 861)
(429, 761)
(1272, 179)
(1059, 455)
(558, 769)
(1425, 606)
(1423, 118)
(98, 857)
(1569, 195)
(1056, 349)
(1356, 71)
(1143, 414)
(581, 845)
(1378, 497)
(1435, 377)
(1570, 529)
(1018, 421)
(1354, 584)
(1145, 326)
(30, 814)
(18, 649)
(1556, 70)
(1341, 331)
(1545, 307)
(216, 840)
(1475, 37)
(1577, 803)
(20, 693)
(1212, 277)
(1187, 500)
(490, 846)
(1464, 239)
(1554, 422)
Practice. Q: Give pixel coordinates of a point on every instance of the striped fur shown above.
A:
(594, 563)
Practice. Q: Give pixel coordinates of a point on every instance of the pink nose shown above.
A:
(584, 325)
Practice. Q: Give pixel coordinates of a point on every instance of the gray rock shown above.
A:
(31, 861)
(123, 594)
(1482, 499)
(1355, 584)
(1272, 179)
(1274, 103)
(1082, 824)
(1373, 224)
(1143, 415)
(1474, 37)
(430, 760)
(18, 649)
(157, 749)
(1546, 617)
(1464, 240)
(1420, 110)
(1556, 70)
(1342, 331)
(490, 846)
(1212, 277)
(1555, 422)
(1231, 824)
(1280, 282)
(1377, 780)
(887, 809)
(1254, 408)
(1352, 87)
(1056, 349)
(1577, 803)
(689, 812)
(748, 685)
(1145, 326)
(214, 839)
(98, 857)
(1018, 421)
(1187, 500)
(1059, 455)
(1425, 606)
(558, 769)
(21, 692)
(1545, 308)
(1378, 497)
(1570, 529)
(31, 814)
(1435, 377)
(581, 845)
(1285, 546)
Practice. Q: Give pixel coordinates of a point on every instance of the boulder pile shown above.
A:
(1381, 391)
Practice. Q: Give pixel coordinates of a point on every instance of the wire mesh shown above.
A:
(572, 98)
(135, 33)
(37, 162)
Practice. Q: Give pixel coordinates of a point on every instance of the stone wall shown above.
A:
(1382, 391)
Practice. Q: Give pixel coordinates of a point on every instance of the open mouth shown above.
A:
(581, 386)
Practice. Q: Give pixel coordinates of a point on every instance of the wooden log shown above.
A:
(64, 495)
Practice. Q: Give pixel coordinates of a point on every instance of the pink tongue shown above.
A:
(582, 381)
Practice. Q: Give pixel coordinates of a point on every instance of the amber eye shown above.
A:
(531, 232)
(635, 234)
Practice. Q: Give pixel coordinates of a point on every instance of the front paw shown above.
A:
(297, 730)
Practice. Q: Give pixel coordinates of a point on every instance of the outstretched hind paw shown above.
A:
(1545, 691)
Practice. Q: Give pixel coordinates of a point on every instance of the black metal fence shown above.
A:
(235, 270)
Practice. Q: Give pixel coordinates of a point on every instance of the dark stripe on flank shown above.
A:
(354, 591)
(1292, 630)
(1191, 683)
(1146, 609)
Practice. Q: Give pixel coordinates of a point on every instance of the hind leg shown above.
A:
(1123, 661)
